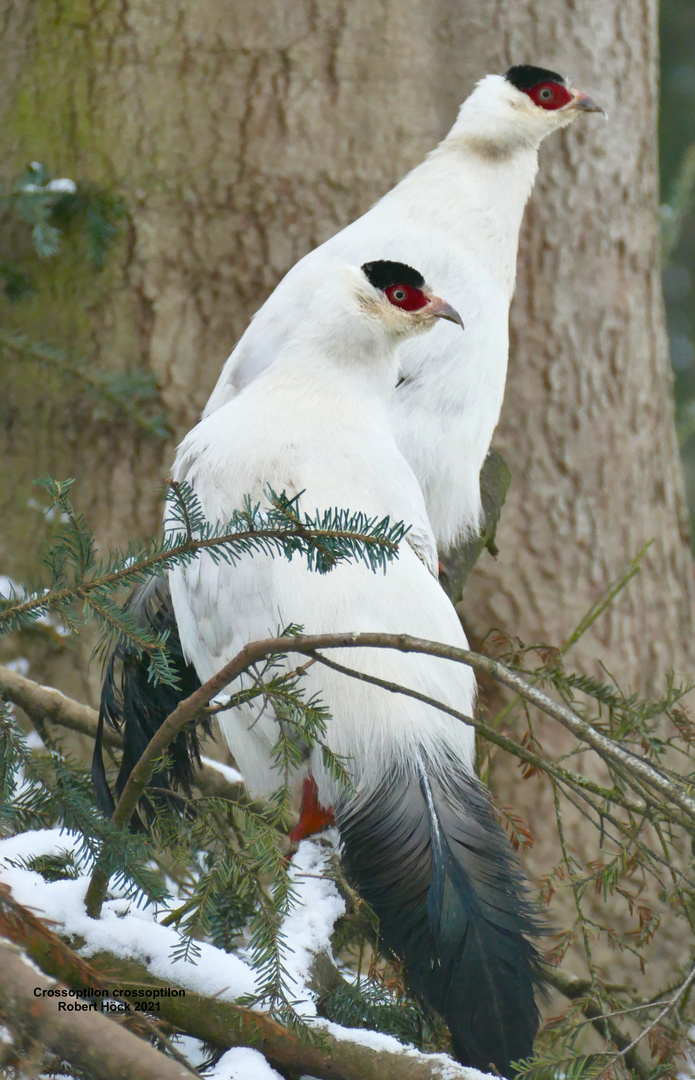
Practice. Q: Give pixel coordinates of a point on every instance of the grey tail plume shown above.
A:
(133, 704)
(427, 853)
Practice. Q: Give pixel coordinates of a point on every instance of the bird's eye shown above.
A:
(549, 95)
(406, 297)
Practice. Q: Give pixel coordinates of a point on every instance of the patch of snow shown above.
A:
(20, 665)
(64, 184)
(242, 1063)
(54, 690)
(123, 929)
(36, 969)
(34, 741)
(377, 1040)
(192, 1049)
(232, 776)
(308, 928)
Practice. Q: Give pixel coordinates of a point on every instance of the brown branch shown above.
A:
(223, 1023)
(24, 928)
(84, 1038)
(305, 1052)
(308, 645)
(576, 989)
(42, 703)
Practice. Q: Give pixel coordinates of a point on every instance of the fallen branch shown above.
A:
(84, 1038)
(305, 1051)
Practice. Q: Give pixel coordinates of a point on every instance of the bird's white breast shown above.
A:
(343, 455)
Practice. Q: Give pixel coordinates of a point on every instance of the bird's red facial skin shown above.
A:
(406, 297)
(549, 95)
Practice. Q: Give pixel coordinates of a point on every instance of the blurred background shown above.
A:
(677, 144)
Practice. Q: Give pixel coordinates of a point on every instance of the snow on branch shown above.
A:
(129, 946)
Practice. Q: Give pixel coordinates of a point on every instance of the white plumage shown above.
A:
(318, 420)
(456, 217)
(419, 839)
(305, 402)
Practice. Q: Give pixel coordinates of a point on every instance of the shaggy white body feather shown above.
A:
(319, 420)
(456, 217)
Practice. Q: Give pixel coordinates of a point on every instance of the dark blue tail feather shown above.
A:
(133, 704)
(427, 853)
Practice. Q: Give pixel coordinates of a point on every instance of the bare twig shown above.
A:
(310, 644)
(670, 1004)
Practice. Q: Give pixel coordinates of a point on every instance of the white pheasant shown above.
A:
(418, 836)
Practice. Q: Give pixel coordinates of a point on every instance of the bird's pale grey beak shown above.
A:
(585, 103)
(441, 310)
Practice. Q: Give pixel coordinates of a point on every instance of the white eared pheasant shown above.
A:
(419, 838)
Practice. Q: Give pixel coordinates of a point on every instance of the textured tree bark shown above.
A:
(244, 134)
(588, 421)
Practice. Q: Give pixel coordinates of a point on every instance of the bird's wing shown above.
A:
(422, 543)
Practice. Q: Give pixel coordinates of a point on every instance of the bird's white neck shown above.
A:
(489, 175)
(339, 348)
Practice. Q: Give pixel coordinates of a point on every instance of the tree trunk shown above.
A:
(241, 136)
(588, 420)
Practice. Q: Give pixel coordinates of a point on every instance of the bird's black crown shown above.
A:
(526, 76)
(382, 273)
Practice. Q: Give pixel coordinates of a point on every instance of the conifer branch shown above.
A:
(311, 645)
(324, 540)
(44, 703)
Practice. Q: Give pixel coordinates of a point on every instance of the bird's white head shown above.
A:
(396, 296)
(358, 316)
(519, 109)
